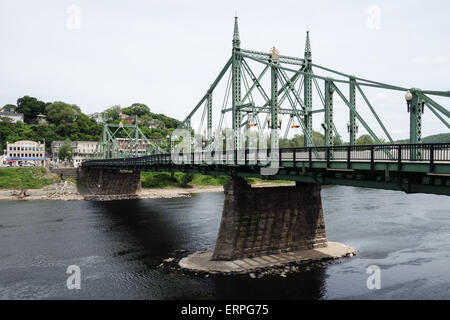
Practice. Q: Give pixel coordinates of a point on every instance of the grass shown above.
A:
(38, 177)
(30, 178)
(162, 180)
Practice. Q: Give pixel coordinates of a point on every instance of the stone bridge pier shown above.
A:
(266, 227)
(269, 220)
(107, 184)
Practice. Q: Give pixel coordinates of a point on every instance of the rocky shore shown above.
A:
(67, 191)
(64, 190)
(309, 260)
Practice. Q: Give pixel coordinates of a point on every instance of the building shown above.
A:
(97, 116)
(129, 119)
(128, 145)
(81, 150)
(41, 119)
(25, 152)
(14, 116)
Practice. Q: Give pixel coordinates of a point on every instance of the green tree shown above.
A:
(138, 109)
(365, 139)
(30, 107)
(65, 152)
(186, 179)
(112, 113)
(9, 107)
(60, 112)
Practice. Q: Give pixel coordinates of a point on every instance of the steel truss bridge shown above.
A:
(258, 102)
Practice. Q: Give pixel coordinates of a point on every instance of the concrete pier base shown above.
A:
(201, 261)
(264, 221)
(105, 184)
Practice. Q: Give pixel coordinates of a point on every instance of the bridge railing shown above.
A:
(430, 153)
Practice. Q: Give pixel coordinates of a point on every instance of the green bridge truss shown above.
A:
(284, 87)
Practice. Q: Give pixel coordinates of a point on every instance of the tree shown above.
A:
(138, 109)
(65, 152)
(186, 179)
(112, 113)
(60, 112)
(365, 139)
(30, 107)
(9, 108)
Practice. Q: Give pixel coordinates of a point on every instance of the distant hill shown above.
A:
(436, 138)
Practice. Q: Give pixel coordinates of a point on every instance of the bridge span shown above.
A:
(372, 166)
(265, 221)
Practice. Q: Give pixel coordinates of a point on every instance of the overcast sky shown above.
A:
(166, 53)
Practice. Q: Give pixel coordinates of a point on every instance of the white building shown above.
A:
(81, 150)
(12, 115)
(25, 152)
(97, 116)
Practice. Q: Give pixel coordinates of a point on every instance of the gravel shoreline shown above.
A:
(67, 191)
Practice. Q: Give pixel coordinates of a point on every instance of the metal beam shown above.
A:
(437, 114)
(328, 113)
(375, 114)
(358, 116)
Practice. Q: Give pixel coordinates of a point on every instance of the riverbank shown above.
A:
(67, 191)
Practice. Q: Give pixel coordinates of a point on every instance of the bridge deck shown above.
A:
(421, 168)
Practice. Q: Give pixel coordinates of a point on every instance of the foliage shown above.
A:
(65, 152)
(60, 112)
(31, 178)
(160, 180)
(112, 113)
(138, 109)
(365, 139)
(186, 179)
(179, 180)
(30, 107)
(298, 141)
(65, 121)
(436, 138)
(205, 180)
(9, 107)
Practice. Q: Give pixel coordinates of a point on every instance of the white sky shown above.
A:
(166, 53)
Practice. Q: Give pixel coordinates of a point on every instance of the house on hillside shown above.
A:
(14, 116)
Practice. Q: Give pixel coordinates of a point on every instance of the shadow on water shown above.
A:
(155, 228)
(146, 229)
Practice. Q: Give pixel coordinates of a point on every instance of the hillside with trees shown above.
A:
(65, 121)
(436, 138)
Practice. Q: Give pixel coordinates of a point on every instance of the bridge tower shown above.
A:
(308, 92)
(352, 121)
(236, 86)
(274, 58)
(415, 109)
(328, 112)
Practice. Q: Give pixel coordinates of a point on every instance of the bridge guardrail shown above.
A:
(431, 153)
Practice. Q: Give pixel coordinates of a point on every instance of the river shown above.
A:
(118, 246)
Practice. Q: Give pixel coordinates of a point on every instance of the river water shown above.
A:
(118, 246)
